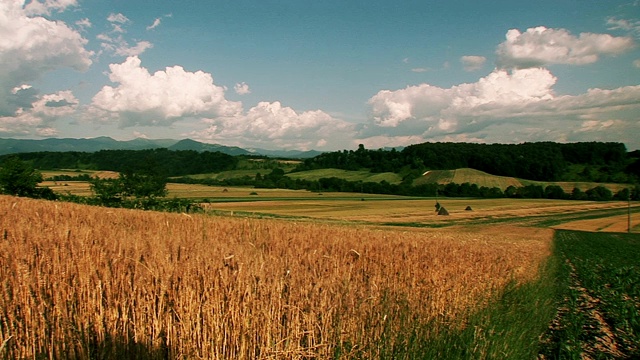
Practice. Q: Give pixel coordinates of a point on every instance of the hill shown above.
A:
(15, 146)
(466, 175)
(480, 178)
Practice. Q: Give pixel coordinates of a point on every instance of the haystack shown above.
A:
(468, 208)
(443, 211)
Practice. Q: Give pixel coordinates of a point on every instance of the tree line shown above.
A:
(542, 161)
(144, 173)
(161, 161)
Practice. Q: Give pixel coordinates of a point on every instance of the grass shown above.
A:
(599, 316)
(87, 282)
(472, 176)
(364, 176)
(480, 178)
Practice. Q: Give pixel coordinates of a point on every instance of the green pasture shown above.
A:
(350, 175)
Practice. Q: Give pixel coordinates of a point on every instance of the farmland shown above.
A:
(600, 312)
(291, 274)
(89, 282)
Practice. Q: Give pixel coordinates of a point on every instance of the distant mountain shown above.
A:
(188, 144)
(12, 146)
(288, 154)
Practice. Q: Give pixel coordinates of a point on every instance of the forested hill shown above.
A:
(158, 161)
(543, 161)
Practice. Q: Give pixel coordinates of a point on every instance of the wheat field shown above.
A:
(87, 282)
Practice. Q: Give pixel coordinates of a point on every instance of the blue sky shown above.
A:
(325, 75)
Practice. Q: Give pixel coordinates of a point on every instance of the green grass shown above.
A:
(509, 328)
(231, 174)
(365, 176)
(601, 298)
(585, 304)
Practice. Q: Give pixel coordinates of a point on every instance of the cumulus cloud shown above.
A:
(541, 46)
(242, 89)
(35, 7)
(32, 46)
(38, 119)
(271, 125)
(473, 62)
(142, 98)
(505, 106)
(636, 63)
(427, 102)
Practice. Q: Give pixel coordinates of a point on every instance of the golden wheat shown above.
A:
(87, 282)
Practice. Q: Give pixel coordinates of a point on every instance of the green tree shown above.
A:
(108, 191)
(19, 178)
(143, 185)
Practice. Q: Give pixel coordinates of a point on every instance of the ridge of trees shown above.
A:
(163, 161)
(542, 161)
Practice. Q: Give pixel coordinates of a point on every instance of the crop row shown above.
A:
(601, 310)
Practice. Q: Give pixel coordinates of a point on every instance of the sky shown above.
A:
(324, 75)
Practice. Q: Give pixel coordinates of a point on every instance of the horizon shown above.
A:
(327, 76)
(310, 150)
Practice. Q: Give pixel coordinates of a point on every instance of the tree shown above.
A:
(108, 191)
(19, 178)
(141, 185)
(554, 192)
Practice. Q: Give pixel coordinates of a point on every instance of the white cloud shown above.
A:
(419, 70)
(36, 7)
(123, 49)
(83, 24)
(33, 46)
(636, 63)
(631, 27)
(541, 46)
(504, 107)
(114, 41)
(427, 102)
(118, 18)
(141, 98)
(473, 62)
(242, 88)
(271, 125)
(39, 118)
(155, 24)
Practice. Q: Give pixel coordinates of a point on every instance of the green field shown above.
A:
(364, 176)
(599, 312)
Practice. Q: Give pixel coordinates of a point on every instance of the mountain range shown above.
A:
(12, 146)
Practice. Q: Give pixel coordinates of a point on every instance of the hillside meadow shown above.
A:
(481, 178)
(88, 282)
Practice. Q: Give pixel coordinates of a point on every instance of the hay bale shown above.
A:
(443, 211)
(468, 208)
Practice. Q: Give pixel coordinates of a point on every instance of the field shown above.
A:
(599, 316)
(472, 176)
(283, 274)
(88, 282)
